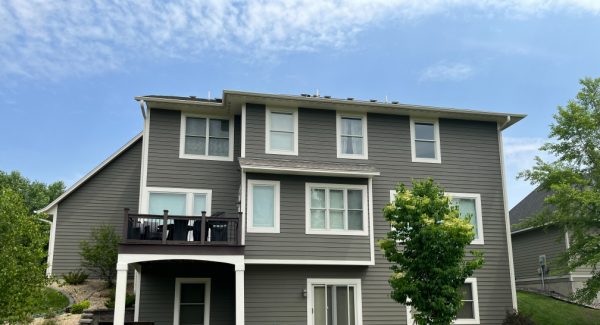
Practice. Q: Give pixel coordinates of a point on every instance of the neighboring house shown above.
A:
(532, 244)
(274, 207)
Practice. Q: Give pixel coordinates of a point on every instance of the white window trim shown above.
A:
(178, 282)
(182, 129)
(338, 131)
(477, 197)
(189, 199)
(268, 150)
(459, 321)
(250, 227)
(310, 296)
(436, 135)
(364, 188)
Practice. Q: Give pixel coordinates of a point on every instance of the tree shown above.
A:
(101, 254)
(36, 195)
(426, 247)
(573, 181)
(22, 253)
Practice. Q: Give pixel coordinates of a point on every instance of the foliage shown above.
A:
(573, 181)
(100, 255)
(51, 302)
(49, 322)
(427, 250)
(129, 300)
(75, 277)
(549, 311)
(516, 318)
(36, 195)
(78, 308)
(22, 254)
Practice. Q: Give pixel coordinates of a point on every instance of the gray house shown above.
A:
(265, 209)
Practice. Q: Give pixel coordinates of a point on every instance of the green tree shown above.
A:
(100, 255)
(573, 180)
(426, 247)
(22, 254)
(36, 195)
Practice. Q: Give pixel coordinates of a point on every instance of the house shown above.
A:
(266, 209)
(533, 246)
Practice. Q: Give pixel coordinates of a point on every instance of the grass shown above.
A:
(52, 302)
(548, 311)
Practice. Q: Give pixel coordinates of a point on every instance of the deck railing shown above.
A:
(182, 230)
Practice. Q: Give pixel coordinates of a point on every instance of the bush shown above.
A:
(129, 300)
(516, 318)
(100, 255)
(80, 307)
(75, 277)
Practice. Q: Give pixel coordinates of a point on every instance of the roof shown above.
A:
(303, 167)
(530, 205)
(91, 173)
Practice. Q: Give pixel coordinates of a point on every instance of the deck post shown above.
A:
(120, 291)
(203, 228)
(239, 294)
(165, 224)
(240, 228)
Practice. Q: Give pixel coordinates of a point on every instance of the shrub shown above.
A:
(75, 277)
(516, 318)
(80, 307)
(100, 254)
(129, 300)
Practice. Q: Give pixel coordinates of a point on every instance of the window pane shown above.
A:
(329, 306)
(320, 307)
(336, 199)
(282, 122)
(195, 126)
(425, 149)
(282, 141)
(317, 219)
(351, 306)
(317, 198)
(336, 219)
(192, 293)
(195, 145)
(352, 145)
(174, 202)
(263, 205)
(352, 126)
(191, 315)
(341, 302)
(467, 208)
(424, 131)
(466, 311)
(199, 204)
(218, 147)
(219, 128)
(467, 291)
(355, 220)
(355, 199)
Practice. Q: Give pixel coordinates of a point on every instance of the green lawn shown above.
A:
(548, 311)
(53, 301)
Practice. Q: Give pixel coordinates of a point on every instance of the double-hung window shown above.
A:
(334, 302)
(352, 136)
(263, 206)
(281, 131)
(206, 137)
(336, 209)
(425, 140)
(469, 206)
(192, 301)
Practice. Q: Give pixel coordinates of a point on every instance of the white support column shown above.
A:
(120, 291)
(239, 294)
(137, 282)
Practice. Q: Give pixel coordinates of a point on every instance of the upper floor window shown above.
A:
(281, 131)
(336, 209)
(469, 205)
(178, 201)
(206, 138)
(263, 206)
(425, 140)
(352, 136)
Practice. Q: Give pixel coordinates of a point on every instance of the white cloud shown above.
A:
(52, 39)
(447, 72)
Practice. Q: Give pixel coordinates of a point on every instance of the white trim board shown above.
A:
(91, 173)
(54, 212)
(294, 112)
(306, 262)
(177, 304)
(206, 156)
(250, 209)
(311, 282)
(307, 171)
(436, 135)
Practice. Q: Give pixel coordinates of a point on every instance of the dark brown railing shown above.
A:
(190, 230)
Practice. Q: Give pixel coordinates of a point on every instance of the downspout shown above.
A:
(143, 108)
(501, 127)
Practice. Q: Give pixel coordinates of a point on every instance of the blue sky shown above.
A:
(69, 70)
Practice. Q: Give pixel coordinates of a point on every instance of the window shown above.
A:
(263, 206)
(352, 136)
(334, 302)
(336, 209)
(192, 301)
(425, 141)
(281, 131)
(470, 205)
(178, 201)
(206, 138)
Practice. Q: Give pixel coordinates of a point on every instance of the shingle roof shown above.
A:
(531, 204)
(307, 167)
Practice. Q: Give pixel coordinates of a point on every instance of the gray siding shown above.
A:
(529, 245)
(98, 201)
(292, 242)
(157, 290)
(166, 169)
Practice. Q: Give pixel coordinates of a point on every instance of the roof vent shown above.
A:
(305, 95)
(395, 102)
(373, 100)
(193, 97)
(218, 100)
(350, 98)
(328, 97)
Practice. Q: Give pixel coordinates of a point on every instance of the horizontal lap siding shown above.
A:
(529, 245)
(100, 200)
(292, 242)
(166, 169)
